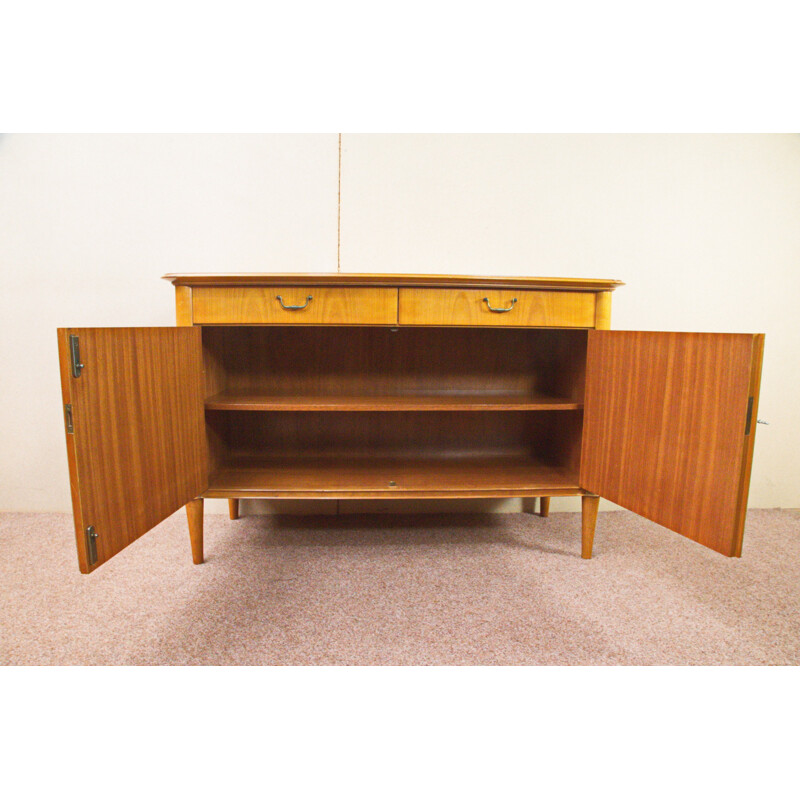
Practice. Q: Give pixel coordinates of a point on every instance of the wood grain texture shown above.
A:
(754, 391)
(326, 362)
(544, 507)
(72, 456)
(183, 305)
(589, 506)
(194, 516)
(545, 309)
(139, 448)
(251, 305)
(664, 431)
(426, 494)
(602, 313)
(233, 401)
(386, 279)
(368, 476)
(546, 435)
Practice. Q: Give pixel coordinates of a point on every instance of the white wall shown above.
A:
(89, 224)
(704, 229)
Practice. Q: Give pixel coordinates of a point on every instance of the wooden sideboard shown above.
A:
(404, 386)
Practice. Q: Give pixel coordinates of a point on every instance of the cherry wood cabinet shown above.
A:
(404, 386)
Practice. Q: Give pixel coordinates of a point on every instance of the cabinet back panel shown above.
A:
(550, 436)
(378, 361)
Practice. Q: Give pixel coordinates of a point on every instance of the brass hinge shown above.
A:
(75, 355)
(91, 545)
(68, 417)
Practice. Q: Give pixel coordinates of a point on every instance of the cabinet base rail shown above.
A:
(589, 507)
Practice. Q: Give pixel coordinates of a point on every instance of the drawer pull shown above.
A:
(499, 310)
(294, 308)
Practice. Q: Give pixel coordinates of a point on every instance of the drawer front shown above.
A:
(505, 307)
(293, 305)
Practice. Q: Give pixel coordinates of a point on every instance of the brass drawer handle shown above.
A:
(295, 308)
(499, 310)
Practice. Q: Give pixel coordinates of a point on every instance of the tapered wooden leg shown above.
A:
(194, 513)
(233, 507)
(589, 507)
(544, 506)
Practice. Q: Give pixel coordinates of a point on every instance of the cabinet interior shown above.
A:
(431, 412)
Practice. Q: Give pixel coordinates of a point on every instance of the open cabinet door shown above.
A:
(133, 403)
(669, 426)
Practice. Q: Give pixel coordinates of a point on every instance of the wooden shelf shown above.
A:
(363, 476)
(231, 401)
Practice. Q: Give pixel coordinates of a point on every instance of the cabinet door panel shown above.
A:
(666, 430)
(137, 452)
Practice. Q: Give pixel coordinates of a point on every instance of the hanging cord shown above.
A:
(339, 213)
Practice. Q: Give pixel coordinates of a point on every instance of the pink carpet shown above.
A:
(426, 589)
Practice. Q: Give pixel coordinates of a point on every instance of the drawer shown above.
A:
(293, 305)
(512, 308)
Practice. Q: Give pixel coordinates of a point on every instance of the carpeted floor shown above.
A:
(433, 589)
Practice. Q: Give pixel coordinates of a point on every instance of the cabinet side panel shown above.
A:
(602, 311)
(183, 305)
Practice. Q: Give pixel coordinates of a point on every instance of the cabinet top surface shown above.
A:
(386, 279)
